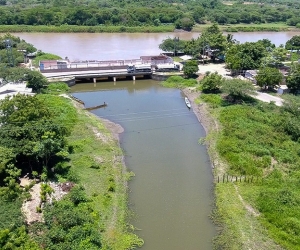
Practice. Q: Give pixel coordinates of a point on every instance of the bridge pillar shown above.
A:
(115, 79)
(94, 80)
(133, 78)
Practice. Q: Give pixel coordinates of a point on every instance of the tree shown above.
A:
(211, 82)
(34, 134)
(268, 77)
(172, 45)
(275, 57)
(36, 81)
(237, 88)
(185, 23)
(241, 57)
(293, 79)
(191, 48)
(213, 37)
(190, 68)
(198, 14)
(293, 43)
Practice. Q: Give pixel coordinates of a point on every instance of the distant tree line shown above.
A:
(182, 14)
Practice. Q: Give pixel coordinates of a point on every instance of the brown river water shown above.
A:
(113, 46)
(171, 194)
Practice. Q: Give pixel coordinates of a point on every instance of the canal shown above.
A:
(171, 194)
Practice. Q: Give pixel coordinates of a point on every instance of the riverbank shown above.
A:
(238, 221)
(84, 29)
(205, 118)
(142, 29)
(98, 163)
(277, 27)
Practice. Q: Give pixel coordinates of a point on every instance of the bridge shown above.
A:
(91, 70)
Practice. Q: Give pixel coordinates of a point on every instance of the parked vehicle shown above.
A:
(168, 67)
(139, 68)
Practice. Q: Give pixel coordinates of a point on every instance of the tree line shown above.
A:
(182, 14)
(240, 57)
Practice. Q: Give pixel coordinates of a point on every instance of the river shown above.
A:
(113, 46)
(172, 193)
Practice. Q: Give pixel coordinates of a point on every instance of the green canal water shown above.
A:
(171, 194)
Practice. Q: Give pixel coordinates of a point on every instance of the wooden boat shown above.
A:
(187, 102)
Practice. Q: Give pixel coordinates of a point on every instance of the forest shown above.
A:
(127, 13)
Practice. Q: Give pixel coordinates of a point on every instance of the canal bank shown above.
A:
(171, 194)
(238, 220)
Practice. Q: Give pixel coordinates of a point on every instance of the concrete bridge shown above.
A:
(91, 70)
(93, 73)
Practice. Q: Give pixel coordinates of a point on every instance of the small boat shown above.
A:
(187, 102)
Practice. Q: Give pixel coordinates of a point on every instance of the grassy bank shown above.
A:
(97, 164)
(256, 140)
(94, 214)
(249, 27)
(85, 29)
(141, 29)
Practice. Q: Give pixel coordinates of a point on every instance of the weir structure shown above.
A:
(111, 70)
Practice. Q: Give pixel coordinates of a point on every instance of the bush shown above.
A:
(211, 82)
(57, 88)
(178, 82)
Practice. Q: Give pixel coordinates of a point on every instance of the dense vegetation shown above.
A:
(55, 148)
(258, 144)
(181, 14)
(259, 140)
(47, 139)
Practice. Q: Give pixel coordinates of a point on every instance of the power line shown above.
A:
(37, 124)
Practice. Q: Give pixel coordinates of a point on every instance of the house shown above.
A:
(154, 60)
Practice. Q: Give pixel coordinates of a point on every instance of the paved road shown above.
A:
(269, 98)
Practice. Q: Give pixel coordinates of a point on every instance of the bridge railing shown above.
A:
(94, 64)
(88, 64)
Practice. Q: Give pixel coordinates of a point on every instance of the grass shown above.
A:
(248, 27)
(179, 82)
(256, 140)
(85, 29)
(10, 215)
(142, 29)
(97, 163)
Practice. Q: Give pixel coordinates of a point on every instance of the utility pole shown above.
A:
(10, 57)
(176, 40)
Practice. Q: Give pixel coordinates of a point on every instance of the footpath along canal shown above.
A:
(171, 194)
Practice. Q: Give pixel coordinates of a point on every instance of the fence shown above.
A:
(243, 178)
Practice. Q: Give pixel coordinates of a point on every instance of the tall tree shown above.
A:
(211, 82)
(268, 77)
(35, 80)
(241, 57)
(213, 38)
(293, 79)
(293, 43)
(28, 127)
(190, 68)
(172, 45)
(237, 88)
